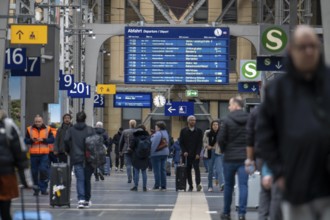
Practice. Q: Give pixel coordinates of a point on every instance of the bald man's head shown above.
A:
(305, 50)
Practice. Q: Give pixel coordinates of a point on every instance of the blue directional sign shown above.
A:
(179, 109)
(15, 59)
(80, 90)
(99, 101)
(132, 100)
(32, 69)
(176, 55)
(270, 63)
(251, 87)
(66, 81)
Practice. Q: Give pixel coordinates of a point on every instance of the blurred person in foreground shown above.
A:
(293, 129)
(13, 155)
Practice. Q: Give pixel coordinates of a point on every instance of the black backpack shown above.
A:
(95, 150)
(142, 147)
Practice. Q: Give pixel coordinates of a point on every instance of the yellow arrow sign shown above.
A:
(108, 89)
(29, 34)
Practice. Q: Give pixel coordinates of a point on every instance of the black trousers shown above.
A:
(193, 163)
(119, 159)
(5, 210)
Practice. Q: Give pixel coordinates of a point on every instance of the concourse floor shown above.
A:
(112, 199)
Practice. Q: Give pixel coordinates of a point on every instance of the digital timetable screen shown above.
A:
(176, 55)
(132, 100)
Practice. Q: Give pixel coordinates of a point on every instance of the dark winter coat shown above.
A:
(104, 134)
(59, 145)
(293, 133)
(115, 141)
(191, 142)
(138, 162)
(232, 136)
(75, 141)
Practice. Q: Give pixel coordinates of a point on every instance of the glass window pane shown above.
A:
(223, 109)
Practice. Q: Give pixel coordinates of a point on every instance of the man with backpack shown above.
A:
(75, 146)
(140, 156)
(125, 147)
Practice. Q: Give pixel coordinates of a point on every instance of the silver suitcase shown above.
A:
(253, 191)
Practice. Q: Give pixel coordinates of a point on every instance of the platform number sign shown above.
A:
(80, 90)
(32, 69)
(98, 101)
(15, 59)
(66, 81)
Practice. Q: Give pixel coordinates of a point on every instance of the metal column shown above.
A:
(325, 8)
(4, 10)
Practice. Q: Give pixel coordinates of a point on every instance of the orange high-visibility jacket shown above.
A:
(39, 147)
(54, 131)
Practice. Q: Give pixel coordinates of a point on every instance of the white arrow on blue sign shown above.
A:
(251, 87)
(179, 109)
(270, 63)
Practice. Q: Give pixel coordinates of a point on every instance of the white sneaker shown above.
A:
(81, 204)
(210, 189)
(87, 204)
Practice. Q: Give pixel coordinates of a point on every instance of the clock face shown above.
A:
(159, 100)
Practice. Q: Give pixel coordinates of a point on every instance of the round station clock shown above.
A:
(159, 100)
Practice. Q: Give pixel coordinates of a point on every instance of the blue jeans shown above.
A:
(159, 168)
(128, 163)
(40, 170)
(230, 169)
(83, 175)
(136, 177)
(206, 163)
(215, 162)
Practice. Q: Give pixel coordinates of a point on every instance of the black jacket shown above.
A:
(293, 133)
(75, 141)
(115, 141)
(137, 162)
(191, 141)
(59, 139)
(13, 152)
(232, 136)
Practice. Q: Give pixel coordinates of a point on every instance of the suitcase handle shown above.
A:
(37, 200)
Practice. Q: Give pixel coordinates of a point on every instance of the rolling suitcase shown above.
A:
(60, 183)
(31, 215)
(181, 177)
(253, 191)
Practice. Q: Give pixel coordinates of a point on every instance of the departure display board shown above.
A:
(176, 55)
(132, 100)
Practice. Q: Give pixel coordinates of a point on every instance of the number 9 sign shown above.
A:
(66, 81)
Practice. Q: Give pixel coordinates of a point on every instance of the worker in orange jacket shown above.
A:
(38, 137)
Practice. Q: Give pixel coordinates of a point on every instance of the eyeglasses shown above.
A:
(303, 47)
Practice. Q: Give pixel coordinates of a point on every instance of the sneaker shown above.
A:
(134, 188)
(45, 193)
(242, 217)
(81, 204)
(121, 170)
(155, 188)
(225, 217)
(199, 188)
(163, 189)
(116, 169)
(101, 176)
(87, 204)
(210, 189)
(190, 189)
(144, 189)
